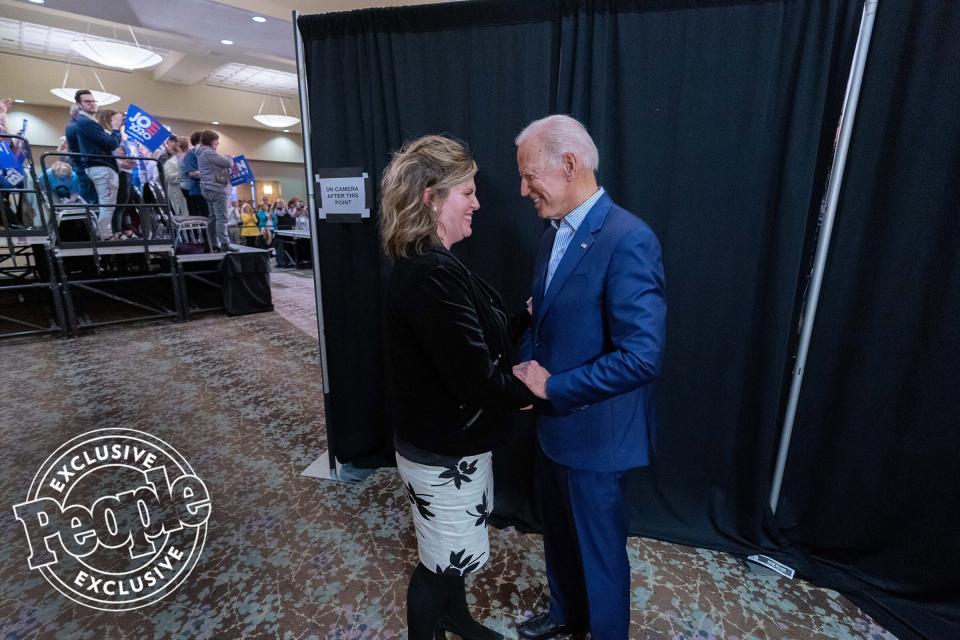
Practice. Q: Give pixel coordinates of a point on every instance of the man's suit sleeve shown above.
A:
(635, 311)
(524, 347)
(97, 135)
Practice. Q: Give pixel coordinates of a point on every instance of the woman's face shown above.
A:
(455, 218)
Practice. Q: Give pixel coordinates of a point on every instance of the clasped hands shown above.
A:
(534, 376)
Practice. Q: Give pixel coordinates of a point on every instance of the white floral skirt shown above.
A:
(450, 508)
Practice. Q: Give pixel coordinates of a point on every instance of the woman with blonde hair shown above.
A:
(249, 230)
(450, 387)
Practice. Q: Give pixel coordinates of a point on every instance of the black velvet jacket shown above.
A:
(448, 347)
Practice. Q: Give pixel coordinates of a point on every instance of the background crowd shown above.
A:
(102, 166)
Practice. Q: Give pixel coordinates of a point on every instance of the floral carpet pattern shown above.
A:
(294, 557)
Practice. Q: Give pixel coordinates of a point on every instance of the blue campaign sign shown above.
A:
(11, 170)
(145, 128)
(241, 173)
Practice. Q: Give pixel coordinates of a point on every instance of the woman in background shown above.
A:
(214, 183)
(171, 179)
(124, 183)
(233, 222)
(249, 229)
(265, 223)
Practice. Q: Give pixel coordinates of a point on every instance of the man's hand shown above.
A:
(534, 376)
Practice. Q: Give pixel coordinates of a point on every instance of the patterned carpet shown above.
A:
(288, 556)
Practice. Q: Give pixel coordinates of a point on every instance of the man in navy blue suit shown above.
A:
(591, 355)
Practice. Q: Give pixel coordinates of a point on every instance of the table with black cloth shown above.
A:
(246, 282)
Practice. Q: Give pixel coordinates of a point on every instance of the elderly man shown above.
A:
(167, 151)
(593, 352)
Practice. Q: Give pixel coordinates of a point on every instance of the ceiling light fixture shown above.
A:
(258, 19)
(18, 100)
(103, 97)
(117, 54)
(227, 42)
(275, 120)
(286, 130)
(38, 1)
(215, 122)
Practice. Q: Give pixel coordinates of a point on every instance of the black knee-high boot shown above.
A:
(437, 603)
(456, 615)
(426, 597)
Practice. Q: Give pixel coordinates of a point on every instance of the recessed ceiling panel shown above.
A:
(244, 76)
(50, 42)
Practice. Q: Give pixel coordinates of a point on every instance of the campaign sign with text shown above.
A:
(145, 128)
(11, 171)
(241, 173)
(115, 519)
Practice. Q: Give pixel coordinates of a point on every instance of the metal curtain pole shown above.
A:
(835, 181)
(311, 196)
(314, 246)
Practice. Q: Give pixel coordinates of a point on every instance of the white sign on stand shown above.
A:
(343, 195)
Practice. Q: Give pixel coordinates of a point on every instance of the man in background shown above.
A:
(87, 190)
(168, 150)
(190, 179)
(97, 146)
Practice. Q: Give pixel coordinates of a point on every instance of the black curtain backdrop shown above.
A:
(715, 121)
(379, 77)
(872, 490)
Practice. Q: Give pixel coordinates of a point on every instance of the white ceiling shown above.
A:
(43, 40)
(187, 33)
(261, 79)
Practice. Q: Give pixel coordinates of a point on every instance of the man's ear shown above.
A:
(428, 196)
(569, 165)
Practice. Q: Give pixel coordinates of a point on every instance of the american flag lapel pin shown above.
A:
(584, 245)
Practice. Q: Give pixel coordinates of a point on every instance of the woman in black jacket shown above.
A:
(448, 374)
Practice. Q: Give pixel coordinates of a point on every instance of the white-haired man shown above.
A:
(592, 353)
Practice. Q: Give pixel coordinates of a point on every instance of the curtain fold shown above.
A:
(871, 493)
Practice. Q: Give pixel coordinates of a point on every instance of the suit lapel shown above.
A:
(540, 266)
(579, 245)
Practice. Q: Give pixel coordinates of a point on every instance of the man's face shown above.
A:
(545, 184)
(88, 104)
